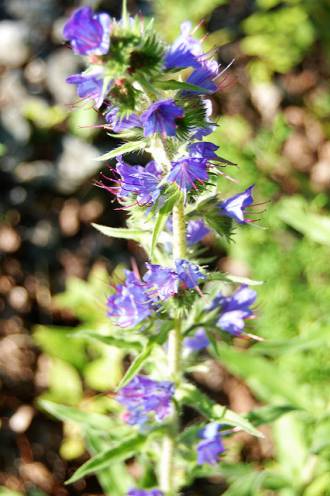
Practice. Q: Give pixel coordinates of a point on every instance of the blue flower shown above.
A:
(189, 273)
(235, 309)
(90, 86)
(145, 492)
(146, 399)
(142, 182)
(196, 231)
(88, 33)
(119, 124)
(198, 341)
(203, 149)
(160, 118)
(130, 305)
(161, 282)
(187, 171)
(234, 206)
(204, 78)
(210, 449)
(185, 50)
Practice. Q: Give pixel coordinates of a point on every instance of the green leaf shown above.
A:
(190, 395)
(140, 360)
(115, 479)
(264, 377)
(53, 340)
(295, 212)
(268, 414)
(172, 84)
(127, 344)
(278, 348)
(88, 420)
(162, 216)
(121, 232)
(119, 452)
(121, 150)
(136, 365)
(159, 226)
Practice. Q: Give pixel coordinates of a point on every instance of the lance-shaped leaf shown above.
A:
(121, 150)
(268, 414)
(121, 232)
(88, 420)
(117, 453)
(191, 396)
(142, 357)
(115, 479)
(127, 344)
(162, 217)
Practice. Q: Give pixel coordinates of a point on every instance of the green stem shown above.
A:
(167, 468)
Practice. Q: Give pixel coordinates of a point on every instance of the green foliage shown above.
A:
(117, 453)
(279, 39)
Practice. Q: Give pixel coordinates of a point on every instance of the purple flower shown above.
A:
(189, 273)
(139, 181)
(161, 282)
(146, 399)
(196, 231)
(234, 206)
(130, 304)
(160, 118)
(210, 449)
(185, 50)
(119, 124)
(198, 341)
(203, 149)
(179, 57)
(145, 492)
(88, 33)
(187, 171)
(89, 86)
(234, 309)
(204, 78)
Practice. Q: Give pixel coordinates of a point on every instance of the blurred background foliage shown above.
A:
(273, 108)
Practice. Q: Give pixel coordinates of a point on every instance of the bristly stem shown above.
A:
(167, 467)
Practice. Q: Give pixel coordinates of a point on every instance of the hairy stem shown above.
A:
(167, 467)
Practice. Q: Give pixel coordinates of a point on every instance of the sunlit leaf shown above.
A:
(117, 453)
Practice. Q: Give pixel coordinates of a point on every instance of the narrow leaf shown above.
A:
(117, 453)
(121, 150)
(140, 360)
(159, 226)
(109, 340)
(136, 365)
(191, 396)
(66, 413)
(162, 218)
(268, 414)
(121, 232)
(115, 479)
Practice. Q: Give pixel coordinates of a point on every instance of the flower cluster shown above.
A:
(146, 399)
(156, 98)
(137, 299)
